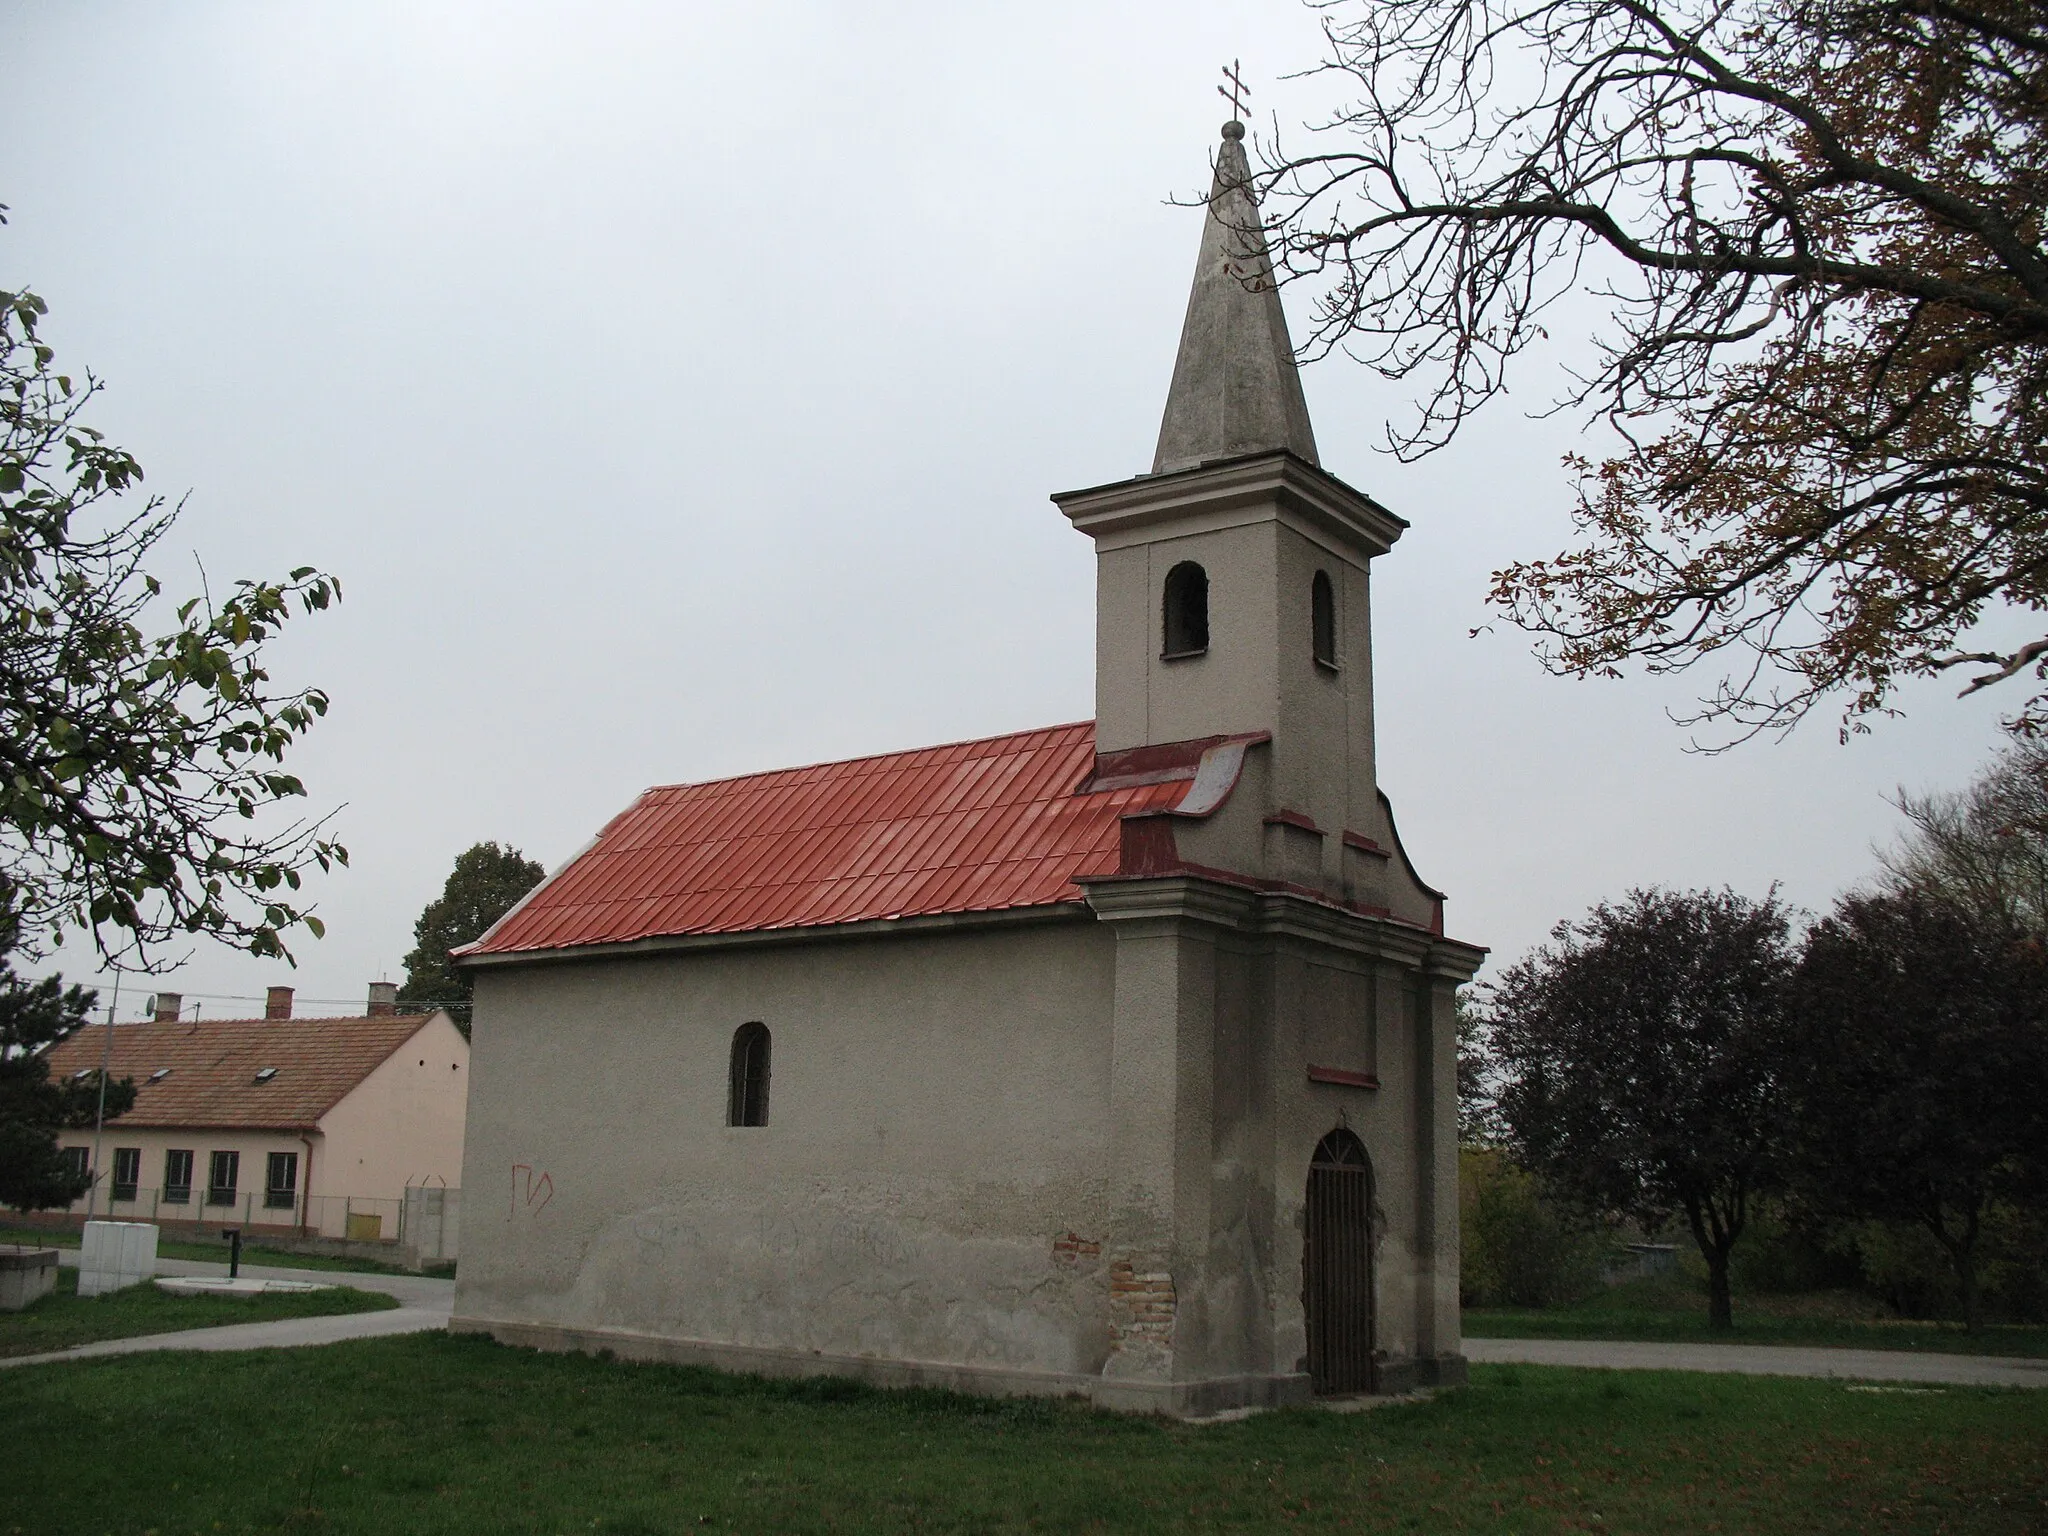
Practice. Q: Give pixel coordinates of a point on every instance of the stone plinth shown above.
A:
(115, 1255)
(26, 1274)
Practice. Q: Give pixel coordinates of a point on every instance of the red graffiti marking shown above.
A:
(537, 1193)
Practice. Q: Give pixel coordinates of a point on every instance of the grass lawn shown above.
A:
(215, 1251)
(1675, 1308)
(64, 1318)
(432, 1433)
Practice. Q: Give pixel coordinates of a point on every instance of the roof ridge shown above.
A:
(188, 1026)
(870, 757)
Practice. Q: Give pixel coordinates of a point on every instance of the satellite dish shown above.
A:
(149, 1007)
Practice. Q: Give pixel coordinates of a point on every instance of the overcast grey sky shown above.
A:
(677, 389)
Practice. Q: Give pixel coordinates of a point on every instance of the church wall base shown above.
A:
(1411, 1375)
(1174, 1399)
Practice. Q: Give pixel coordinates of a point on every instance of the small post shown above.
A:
(234, 1237)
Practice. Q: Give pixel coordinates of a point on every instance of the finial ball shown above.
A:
(1233, 129)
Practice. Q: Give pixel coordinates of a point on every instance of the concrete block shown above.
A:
(26, 1275)
(115, 1255)
(431, 1225)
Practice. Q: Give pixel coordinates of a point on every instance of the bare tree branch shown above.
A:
(1817, 227)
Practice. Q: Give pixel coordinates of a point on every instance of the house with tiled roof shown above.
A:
(1114, 1058)
(316, 1126)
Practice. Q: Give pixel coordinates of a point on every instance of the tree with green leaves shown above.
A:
(1920, 1080)
(33, 1109)
(1641, 1057)
(485, 884)
(141, 774)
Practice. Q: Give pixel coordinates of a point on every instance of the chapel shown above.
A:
(1115, 1058)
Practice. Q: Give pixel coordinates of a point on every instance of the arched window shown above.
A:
(1322, 604)
(747, 1104)
(1186, 610)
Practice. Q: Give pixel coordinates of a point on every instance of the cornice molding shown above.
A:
(1166, 902)
(1252, 488)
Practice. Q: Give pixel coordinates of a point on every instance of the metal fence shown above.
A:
(360, 1218)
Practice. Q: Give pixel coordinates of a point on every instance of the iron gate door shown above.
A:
(1337, 1266)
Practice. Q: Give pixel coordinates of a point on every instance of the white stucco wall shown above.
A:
(1072, 1153)
(937, 1126)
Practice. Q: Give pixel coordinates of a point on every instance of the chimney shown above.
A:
(277, 1003)
(168, 1006)
(383, 999)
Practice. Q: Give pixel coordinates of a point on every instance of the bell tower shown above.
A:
(1233, 586)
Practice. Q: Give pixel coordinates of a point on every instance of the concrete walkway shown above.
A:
(423, 1305)
(1765, 1360)
(410, 1290)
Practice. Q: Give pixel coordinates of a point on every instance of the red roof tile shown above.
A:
(213, 1066)
(975, 826)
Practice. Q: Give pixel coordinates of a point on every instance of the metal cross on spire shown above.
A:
(1233, 72)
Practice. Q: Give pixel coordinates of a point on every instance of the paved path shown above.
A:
(1765, 1360)
(411, 1290)
(423, 1305)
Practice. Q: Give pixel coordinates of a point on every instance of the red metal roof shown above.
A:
(976, 826)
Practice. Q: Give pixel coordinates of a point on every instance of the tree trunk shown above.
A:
(1966, 1271)
(1720, 1310)
(1961, 1248)
(1716, 1240)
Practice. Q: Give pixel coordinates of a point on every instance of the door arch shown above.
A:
(1336, 1266)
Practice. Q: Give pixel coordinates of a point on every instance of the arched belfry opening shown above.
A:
(1322, 607)
(1185, 610)
(1336, 1266)
(747, 1100)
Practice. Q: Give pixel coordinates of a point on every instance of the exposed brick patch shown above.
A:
(1071, 1248)
(1142, 1306)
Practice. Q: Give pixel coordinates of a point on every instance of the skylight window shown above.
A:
(159, 1074)
(266, 1074)
(81, 1074)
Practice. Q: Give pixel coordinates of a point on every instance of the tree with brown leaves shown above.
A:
(1815, 228)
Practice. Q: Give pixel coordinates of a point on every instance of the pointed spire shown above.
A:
(1236, 389)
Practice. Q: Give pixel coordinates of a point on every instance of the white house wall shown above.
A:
(402, 1125)
(149, 1205)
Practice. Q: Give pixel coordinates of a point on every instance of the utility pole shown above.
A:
(99, 1125)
